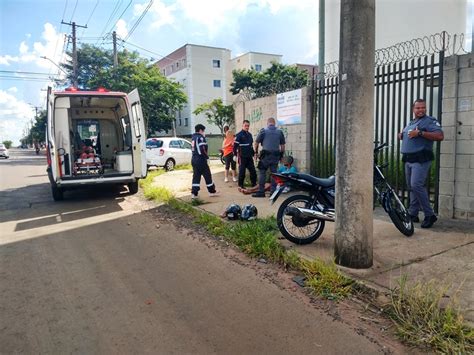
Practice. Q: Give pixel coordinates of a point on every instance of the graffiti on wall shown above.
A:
(255, 115)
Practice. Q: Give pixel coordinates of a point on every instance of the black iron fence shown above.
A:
(403, 73)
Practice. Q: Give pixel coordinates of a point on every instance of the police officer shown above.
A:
(273, 148)
(243, 149)
(199, 162)
(417, 153)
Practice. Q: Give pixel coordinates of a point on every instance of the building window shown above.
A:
(177, 65)
(186, 121)
(217, 83)
(180, 122)
(216, 63)
(258, 67)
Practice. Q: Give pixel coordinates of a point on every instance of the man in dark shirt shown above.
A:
(200, 164)
(417, 153)
(273, 148)
(243, 149)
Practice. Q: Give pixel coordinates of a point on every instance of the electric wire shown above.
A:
(90, 16)
(139, 20)
(74, 11)
(117, 6)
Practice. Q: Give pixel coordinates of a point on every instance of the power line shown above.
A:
(74, 11)
(139, 20)
(23, 72)
(90, 16)
(117, 5)
(130, 3)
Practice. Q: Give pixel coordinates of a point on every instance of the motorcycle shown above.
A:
(37, 150)
(301, 218)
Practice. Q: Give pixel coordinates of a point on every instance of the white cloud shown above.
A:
(15, 115)
(23, 48)
(161, 14)
(121, 28)
(50, 46)
(13, 89)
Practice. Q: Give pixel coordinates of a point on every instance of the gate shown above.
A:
(404, 72)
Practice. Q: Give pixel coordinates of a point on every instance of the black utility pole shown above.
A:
(74, 50)
(114, 37)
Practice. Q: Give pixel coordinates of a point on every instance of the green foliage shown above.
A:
(160, 97)
(278, 78)
(38, 130)
(8, 144)
(325, 279)
(423, 321)
(217, 113)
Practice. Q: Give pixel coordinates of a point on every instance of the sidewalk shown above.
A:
(444, 252)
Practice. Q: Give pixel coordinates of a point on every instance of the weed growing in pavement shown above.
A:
(325, 279)
(415, 309)
(422, 320)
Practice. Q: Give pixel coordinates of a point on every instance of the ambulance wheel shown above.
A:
(169, 165)
(133, 187)
(57, 193)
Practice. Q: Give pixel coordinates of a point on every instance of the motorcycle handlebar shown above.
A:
(381, 146)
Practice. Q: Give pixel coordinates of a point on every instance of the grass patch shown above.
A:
(422, 320)
(416, 310)
(325, 279)
(183, 167)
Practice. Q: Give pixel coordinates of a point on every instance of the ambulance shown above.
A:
(94, 138)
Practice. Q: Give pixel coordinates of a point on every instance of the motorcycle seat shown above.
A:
(331, 181)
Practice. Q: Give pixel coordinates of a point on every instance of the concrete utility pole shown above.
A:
(114, 38)
(322, 34)
(74, 50)
(355, 134)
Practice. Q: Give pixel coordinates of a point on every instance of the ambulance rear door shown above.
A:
(138, 135)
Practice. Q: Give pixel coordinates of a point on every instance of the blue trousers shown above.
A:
(416, 174)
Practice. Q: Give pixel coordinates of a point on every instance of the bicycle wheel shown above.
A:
(399, 214)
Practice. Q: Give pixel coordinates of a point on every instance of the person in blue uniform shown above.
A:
(273, 148)
(244, 153)
(417, 154)
(199, 162)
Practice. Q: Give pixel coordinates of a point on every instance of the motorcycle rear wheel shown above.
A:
(291, 226)
(399, 215)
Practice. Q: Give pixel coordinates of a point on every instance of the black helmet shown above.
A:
(233, 211)
(249, 212)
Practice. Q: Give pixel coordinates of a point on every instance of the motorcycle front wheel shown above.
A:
(399, 215)
(298, 229)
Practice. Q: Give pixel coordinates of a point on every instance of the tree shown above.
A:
(38, 130)
(278, 78)
(217, 113)
(8, 144)
(160, 97)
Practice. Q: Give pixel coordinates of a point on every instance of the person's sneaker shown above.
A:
(214, 194)
(226, 180)
(428, 221)
(193, 196)
(234, 179)
(414, 219)
(258, 194)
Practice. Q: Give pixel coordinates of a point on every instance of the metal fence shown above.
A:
(403, 73)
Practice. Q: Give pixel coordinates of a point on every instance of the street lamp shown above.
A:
(44, 57)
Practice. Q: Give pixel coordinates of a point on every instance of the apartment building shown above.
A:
(258, 61)
(206, 73)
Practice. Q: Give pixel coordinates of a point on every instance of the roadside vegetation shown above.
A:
(421, 318)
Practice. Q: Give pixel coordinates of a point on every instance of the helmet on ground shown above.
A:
(233, 211)
(249, 212)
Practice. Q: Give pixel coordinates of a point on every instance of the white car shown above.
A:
(168, 152)
(4, 151)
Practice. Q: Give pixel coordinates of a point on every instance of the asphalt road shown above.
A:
(105, 272)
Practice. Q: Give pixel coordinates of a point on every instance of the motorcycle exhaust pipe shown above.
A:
(326, 216)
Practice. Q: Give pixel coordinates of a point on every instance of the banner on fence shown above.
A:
(289, 107)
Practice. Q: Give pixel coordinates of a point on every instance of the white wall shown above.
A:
(401, 20)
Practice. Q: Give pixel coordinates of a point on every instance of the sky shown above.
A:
(31, 29)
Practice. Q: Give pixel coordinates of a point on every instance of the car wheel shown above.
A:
(169, 165)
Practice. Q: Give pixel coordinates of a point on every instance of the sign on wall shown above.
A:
(289, 107)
